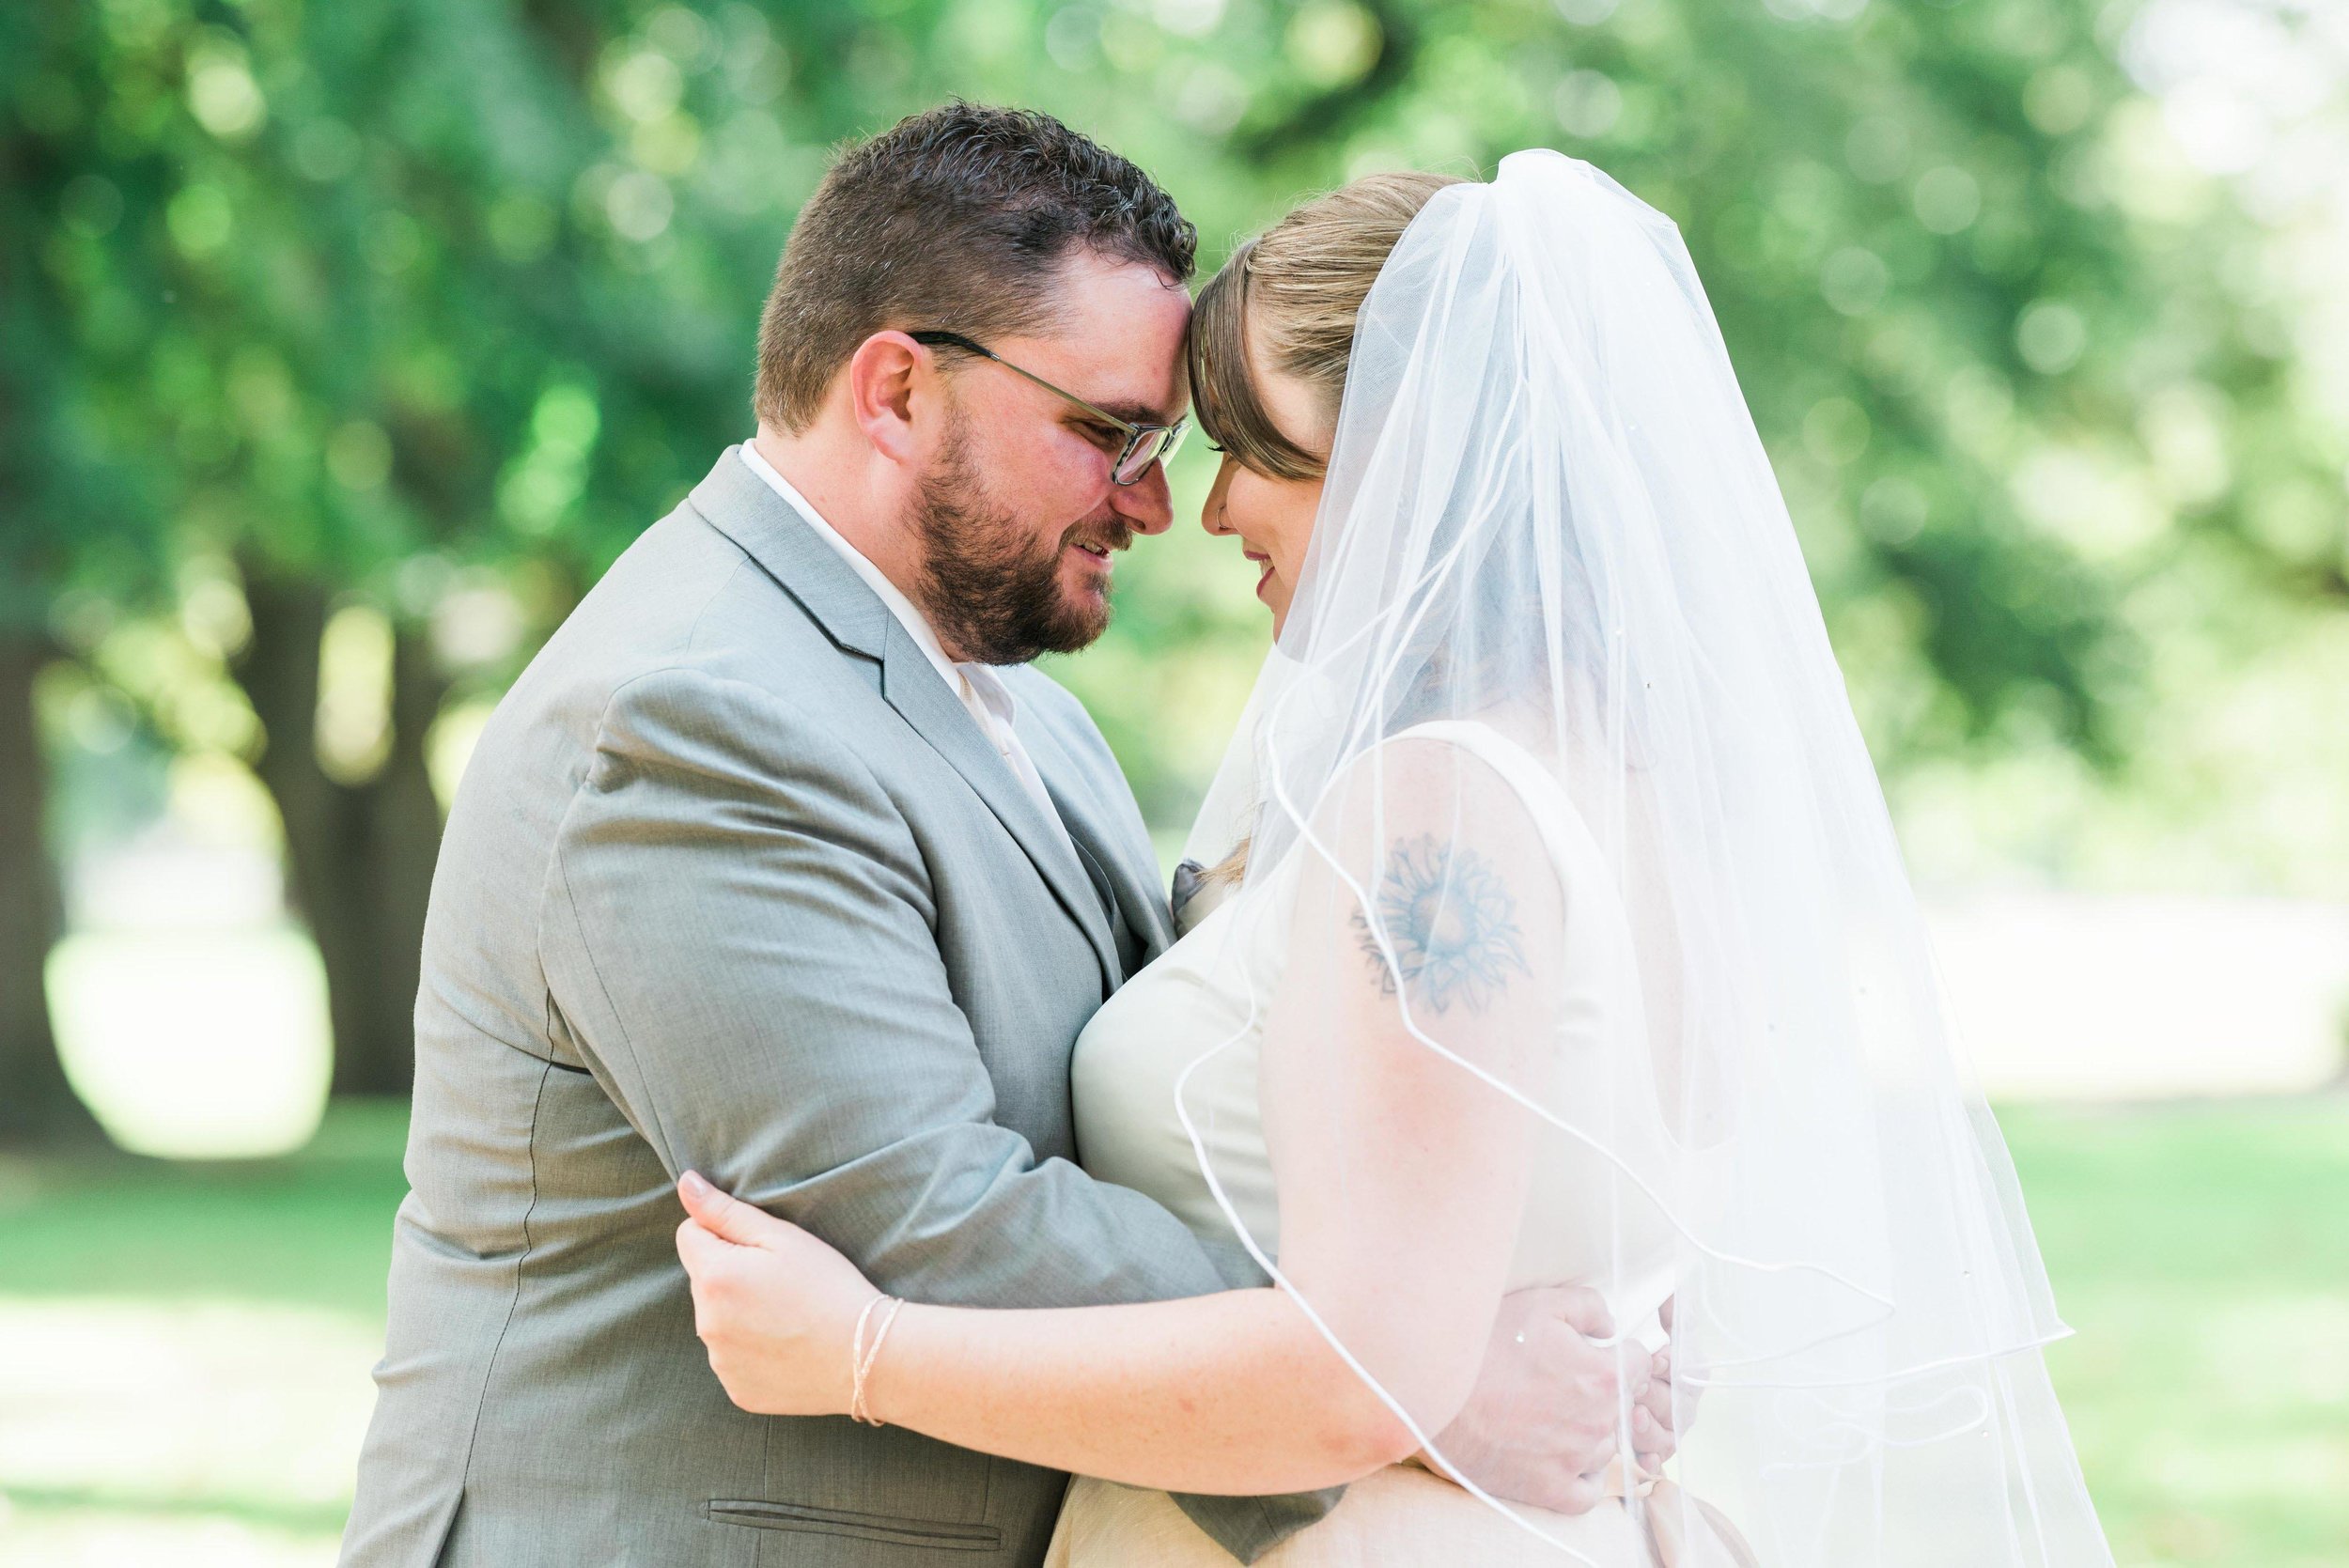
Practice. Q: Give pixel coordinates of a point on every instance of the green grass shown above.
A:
(2201, 1252)
(312, 1228)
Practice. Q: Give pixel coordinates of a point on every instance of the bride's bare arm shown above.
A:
(1402, 1181)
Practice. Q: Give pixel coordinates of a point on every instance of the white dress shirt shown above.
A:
(982, 690)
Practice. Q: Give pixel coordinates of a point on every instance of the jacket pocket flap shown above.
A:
(936, 1533)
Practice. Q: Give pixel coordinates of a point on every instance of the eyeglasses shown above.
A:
(1145, 444)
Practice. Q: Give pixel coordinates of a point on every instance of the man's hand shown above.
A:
(1654, 1436)
(1540, 1427)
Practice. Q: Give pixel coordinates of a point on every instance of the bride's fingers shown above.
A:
(697, 1248)
(724, 1215)
(701, 1253)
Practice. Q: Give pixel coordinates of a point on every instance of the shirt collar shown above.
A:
(909, 614)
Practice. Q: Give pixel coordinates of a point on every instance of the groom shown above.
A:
(776, 863)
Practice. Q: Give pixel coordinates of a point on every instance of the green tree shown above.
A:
(378, 357)
(71, 518)
(397, 306)
(1933, 249)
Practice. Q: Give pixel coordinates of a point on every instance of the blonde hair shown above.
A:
(1294, 290)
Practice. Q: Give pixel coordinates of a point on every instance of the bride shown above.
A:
(1554, 933)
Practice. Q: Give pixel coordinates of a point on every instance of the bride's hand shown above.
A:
(774, 1307)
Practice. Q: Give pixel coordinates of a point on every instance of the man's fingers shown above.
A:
(1584, 1310)
(1580, 1494)
(1596, 1450)
(1567, 1494)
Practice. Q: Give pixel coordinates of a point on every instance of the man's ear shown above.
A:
(884, 374)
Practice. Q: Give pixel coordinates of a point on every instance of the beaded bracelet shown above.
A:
(861, 1360)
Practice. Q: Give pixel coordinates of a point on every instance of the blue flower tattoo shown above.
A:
(1450, 922)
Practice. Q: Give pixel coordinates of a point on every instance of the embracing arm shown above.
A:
(1401, 1179)
(737, 931)
(1226, 1393)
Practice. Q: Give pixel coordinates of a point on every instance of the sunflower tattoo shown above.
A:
(1450, 920)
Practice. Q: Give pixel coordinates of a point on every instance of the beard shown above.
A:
(990, 589)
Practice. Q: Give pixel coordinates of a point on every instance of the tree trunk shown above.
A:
(36, 1102)
(359, 859)
(403, 844)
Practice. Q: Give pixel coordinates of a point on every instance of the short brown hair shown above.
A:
(961, 217)
(1295, 289)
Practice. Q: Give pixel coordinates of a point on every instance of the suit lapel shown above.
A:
(743, 507)
(1137, 898)
(911, 683)
(740, 504)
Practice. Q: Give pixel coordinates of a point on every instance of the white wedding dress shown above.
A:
(1199, 992)
(1550, 539)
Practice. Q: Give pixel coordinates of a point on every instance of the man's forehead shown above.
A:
(1120, 331)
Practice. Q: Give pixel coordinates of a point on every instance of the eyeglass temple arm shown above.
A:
(955, 340)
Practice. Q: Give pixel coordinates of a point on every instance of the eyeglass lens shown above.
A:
(1150, 446)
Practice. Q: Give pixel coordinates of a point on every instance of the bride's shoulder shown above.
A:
(1468, 781)
(1497, 745)
(1465, 758)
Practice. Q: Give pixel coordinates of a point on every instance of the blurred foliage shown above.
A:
(432, 307)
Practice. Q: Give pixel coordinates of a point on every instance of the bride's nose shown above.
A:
(1211, 516)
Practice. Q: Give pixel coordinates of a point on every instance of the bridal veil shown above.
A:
(1549, 523)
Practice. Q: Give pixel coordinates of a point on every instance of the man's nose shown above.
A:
(1147, 504)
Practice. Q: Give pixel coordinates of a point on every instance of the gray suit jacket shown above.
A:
(735, 883)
